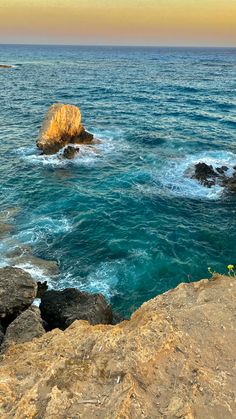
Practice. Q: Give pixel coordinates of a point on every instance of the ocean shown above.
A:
(124, 219)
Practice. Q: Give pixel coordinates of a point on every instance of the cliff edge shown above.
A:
(175, 358)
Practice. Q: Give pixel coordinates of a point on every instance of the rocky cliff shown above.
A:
(175, 358)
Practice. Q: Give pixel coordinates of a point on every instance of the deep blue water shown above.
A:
(124, 220)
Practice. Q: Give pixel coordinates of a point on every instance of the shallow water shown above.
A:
(124, 220)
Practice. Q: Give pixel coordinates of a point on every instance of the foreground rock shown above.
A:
(17, 292)
(175, 358)
(62, 308)
(61, 126)
(208, 176)
(24, 328)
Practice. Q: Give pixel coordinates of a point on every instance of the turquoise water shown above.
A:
(124, 220)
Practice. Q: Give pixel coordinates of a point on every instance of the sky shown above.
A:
(119, 22)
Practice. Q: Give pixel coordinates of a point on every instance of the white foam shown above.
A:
(36, 273)
(111, 140)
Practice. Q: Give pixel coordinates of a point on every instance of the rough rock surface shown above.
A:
(208, 176)
(175, 358)
(70, 152)
(62, 308)
(61, 126)
(17, 292)
(27, 326)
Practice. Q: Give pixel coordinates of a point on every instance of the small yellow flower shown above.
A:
(230, 267)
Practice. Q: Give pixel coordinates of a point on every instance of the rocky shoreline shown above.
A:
(21, 321)
(175, 358)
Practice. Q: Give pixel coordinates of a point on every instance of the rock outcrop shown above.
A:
(27, 326)
(208, 176)
(61, 126)
(17, 292)
(175, 358)
(62, 308)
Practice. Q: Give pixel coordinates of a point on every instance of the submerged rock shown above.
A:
(70, 152)
(27, 326)
(61, 126)
(175, 358)
(49, 267)
(17, 292)
(61, 308)
(5, 229)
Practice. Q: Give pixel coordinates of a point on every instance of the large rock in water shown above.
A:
(17, 292)
(27, 326)
(61, 126)
(61, 308)
(175, 358)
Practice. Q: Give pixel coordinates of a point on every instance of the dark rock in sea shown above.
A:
(62, 126)
(17, 292)
(61, 308)
(42, 288)
(70, 152)
(205, 174)
(230, 183)
(221, 170)
(209, 177)
(27, 326)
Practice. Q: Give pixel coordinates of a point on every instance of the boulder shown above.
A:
(17, 292)
(205, 174)
(27, 326)
(70, 152)
(61, 308)
(61, 126)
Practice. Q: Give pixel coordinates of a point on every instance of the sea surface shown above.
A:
(125, 218)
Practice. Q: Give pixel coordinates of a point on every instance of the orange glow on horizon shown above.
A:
(143, 22)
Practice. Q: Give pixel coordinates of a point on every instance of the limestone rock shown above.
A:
(62, 308)
(17, 292)
(175, 358)
(27, 326)
(61, 126)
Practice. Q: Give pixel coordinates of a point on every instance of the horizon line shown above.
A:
(116, 45)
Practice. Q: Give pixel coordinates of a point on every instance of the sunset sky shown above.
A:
(122, 22)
